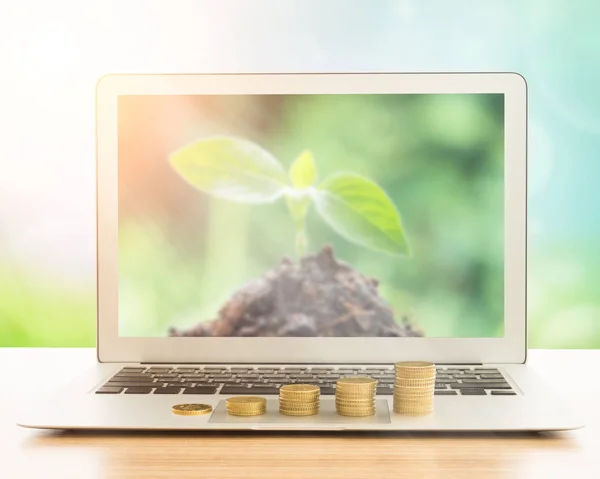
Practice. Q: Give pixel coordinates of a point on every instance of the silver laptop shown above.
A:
(262, 230)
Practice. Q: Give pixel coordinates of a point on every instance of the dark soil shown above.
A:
(320, 296)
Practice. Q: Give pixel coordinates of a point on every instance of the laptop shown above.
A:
(260, 230)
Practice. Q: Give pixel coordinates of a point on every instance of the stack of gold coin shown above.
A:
(246, 406)
(299, 399)
(355, 396)
(414, 387)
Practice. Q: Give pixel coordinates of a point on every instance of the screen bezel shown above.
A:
(511, 348)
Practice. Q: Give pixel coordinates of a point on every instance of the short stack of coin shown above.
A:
(414, 387)
(299, 399)
(355, 396)
(246, 406)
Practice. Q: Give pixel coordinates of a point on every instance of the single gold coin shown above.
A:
(247, 414)
(299, 388)
(414, 365)
(414, 383)
(246, 400)
(295, 412)
(356, 413)
(356, 380)
(415, 369)
(413, 411)
(191, 409)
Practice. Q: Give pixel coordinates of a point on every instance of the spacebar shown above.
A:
(248, 391)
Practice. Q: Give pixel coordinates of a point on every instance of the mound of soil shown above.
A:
(319, 296)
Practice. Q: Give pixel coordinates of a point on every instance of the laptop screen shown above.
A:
(311, 215)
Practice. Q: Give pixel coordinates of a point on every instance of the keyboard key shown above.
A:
(445, 392)
(321, 370)
(247, 376)
(184, 370)
(486, 371)
(159, 370)
(385, 391)
(133, 370)
(165, 375)
(327, 391)
(129, 384)
(344, 371)
(481, 386)
(138, 390)
(235, 390)
(387, 381)
(274, 376)
(294, 370)
(201, 390)
(466, 376)
(441, 386)
(487, 381)
(259, 389)
(168, 390)
(109, 390)
(473, 392)
(241, 370)
(138, 378)
(503, 393)
(492, 376)
(266, 370)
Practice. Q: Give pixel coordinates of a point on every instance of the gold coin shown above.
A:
(300, 388)
(292, 412)
(355, 397)
(413, 411)
(191, 409)
(411, 383)
(414, 394)
(356, 381)
(416, 402)
(239, 400)
(354, 401)
(414, 365)
(356, 413)
(346, 407)
(298, 406)
(246, 414)
(293, 404)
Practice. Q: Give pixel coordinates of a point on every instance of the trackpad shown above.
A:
(327, 415)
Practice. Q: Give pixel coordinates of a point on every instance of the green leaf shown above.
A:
(360, 211)
(303, 172)
(231, 168)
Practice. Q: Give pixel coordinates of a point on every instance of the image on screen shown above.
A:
(373, 215)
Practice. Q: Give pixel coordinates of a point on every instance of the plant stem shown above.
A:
(300, 238)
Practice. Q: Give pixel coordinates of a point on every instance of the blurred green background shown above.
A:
(47, 228)
(183, 253)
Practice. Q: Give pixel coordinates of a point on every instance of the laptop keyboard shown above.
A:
(450, 381)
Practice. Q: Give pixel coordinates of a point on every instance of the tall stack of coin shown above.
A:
(299, 399)
(246, 406)
(414, 387)
(355, 396)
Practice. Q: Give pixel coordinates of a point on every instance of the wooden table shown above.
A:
(26, 453)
